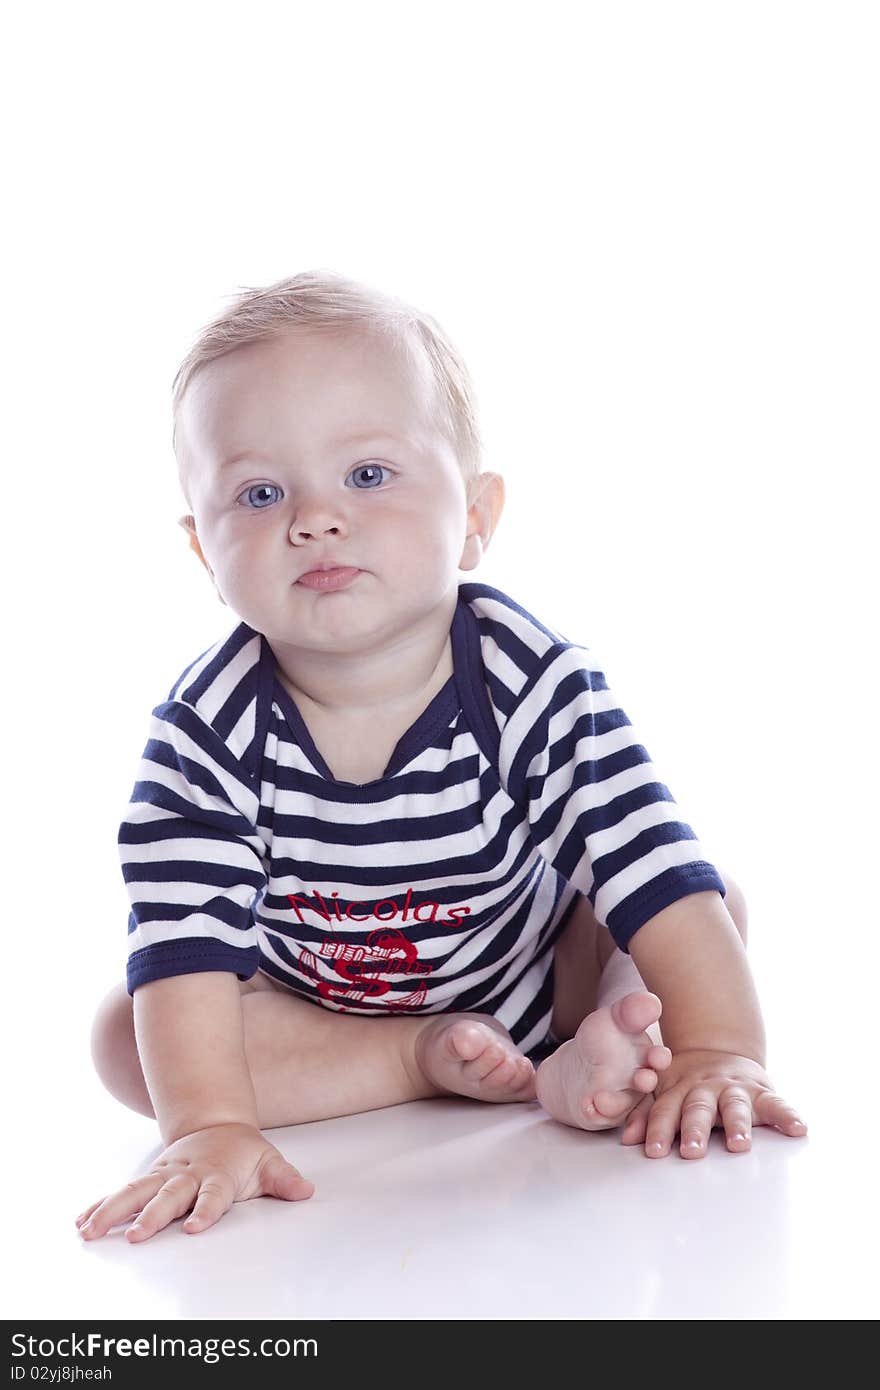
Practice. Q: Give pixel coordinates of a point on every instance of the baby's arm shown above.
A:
(691, 956)
(190, 1036)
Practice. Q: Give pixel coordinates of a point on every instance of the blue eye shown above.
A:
(374, 468)
(258, 488)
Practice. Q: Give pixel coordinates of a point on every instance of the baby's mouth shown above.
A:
(329, 578)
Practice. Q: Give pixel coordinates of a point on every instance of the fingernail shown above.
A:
(655, 1148)
(693, 1144)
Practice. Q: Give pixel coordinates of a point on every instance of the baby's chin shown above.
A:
(331, 627)
(352, 616)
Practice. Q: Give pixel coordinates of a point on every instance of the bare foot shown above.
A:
(469, 1056)
(595, 1079)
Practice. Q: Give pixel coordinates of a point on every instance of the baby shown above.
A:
(392, 837)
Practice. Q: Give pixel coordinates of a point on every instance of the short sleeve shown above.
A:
(596, 808)
(192, 857)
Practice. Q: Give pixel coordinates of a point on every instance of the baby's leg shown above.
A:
(597, 1078)
(311, 1063)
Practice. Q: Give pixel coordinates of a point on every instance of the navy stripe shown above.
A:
(456, 857)
(188, 957)
(221, 907)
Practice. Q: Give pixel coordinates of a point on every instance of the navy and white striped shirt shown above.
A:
(443, 884)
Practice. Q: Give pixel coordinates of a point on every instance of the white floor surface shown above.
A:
(453, 1209)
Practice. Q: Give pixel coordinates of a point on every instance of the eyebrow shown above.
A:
(361, 437)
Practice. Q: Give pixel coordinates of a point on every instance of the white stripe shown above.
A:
(438, 862)
(198, 924)
(227, 680)
(243, 798)
(636, 875)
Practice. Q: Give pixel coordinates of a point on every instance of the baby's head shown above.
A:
(318, 422)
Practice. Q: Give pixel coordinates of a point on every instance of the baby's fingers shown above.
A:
(111, 1211)
(735, 1110)
(84, 1215)
(694, 1117)
(771, 1109)
(213, 1200)
(172, 1201)
(636, 1126)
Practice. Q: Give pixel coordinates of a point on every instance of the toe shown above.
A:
(526, 1076)
(467, 1041)
(613, 1105)
(509, 1075)
(636, 1012)
(658, 1057)
(491, 1057)
(522, 1077)
(644, 1079)
(594, 1119)
(501, 1073)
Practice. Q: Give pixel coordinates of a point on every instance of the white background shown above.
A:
(652, 231)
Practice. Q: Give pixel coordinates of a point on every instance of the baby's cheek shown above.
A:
(248, 565)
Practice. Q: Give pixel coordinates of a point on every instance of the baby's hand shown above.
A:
(704, 1088)
(208, 1171)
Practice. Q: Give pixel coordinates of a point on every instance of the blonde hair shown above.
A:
(322, 300)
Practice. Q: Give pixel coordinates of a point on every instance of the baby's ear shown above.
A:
(189, 525)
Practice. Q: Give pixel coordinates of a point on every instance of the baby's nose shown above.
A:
(316, 518)
(316, 514)
(299, 533)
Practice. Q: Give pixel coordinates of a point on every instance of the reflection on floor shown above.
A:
(453, 1209)
(458, 1209)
